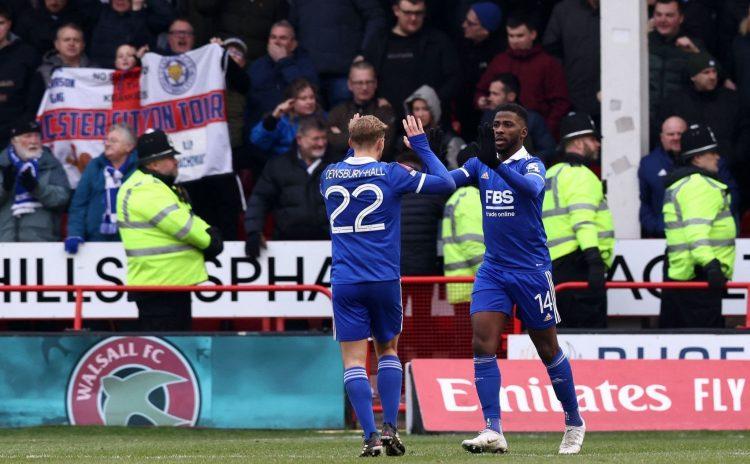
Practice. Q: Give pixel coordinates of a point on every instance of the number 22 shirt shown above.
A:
(363, 203)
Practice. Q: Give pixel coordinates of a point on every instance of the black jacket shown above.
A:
(292, 196)
(666, 67)
(420, 221)
(38, 26)
(573, 35)
(137, 28)
(719, 109)
(249, 20)
(18, 63)
(438, 65)
(335, 31)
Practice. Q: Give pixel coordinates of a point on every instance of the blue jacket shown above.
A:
(87, 207)
(268, 79)
(651, 173)
(543, 144)
(277, 141)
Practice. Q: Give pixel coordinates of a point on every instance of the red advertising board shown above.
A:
(612, 395)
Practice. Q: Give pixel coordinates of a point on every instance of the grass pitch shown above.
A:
(163, 445)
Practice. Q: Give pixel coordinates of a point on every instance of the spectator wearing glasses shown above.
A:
(180, 37)
(411, 55)
(363, 84)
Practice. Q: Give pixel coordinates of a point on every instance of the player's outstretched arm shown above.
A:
(530, 183)
(439, 180)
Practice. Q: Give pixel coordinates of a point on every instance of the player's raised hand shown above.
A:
(412, 126)
(486, 142)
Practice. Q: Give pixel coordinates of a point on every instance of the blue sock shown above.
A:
(487, 380)
(562, 381)
(358, 390)
(390, 374)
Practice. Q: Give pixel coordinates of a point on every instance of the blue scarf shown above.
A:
(112, 182)
(23, 201)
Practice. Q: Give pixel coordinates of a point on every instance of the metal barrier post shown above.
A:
(78, 319)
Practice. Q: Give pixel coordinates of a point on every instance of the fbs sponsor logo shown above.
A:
(133, 381)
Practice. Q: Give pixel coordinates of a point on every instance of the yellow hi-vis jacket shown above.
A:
(163, 239)
(463, 240)
(575, 212)
(699, 226)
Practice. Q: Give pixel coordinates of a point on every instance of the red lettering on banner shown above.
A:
(171, 116)
(127, 89)
(612, 395)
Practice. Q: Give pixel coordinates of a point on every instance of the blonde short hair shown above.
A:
(366, 131)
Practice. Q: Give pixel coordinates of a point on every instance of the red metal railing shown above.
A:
(79, 290)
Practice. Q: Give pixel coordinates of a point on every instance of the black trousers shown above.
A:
(163, 311)
(217, 200)
(690, 308)
(579, 309)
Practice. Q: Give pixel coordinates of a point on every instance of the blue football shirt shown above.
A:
(363, 201)
(513, 230)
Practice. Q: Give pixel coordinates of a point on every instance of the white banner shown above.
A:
(637, 346)
(184, 95)
(282, 263)
(74, 114)
(642, 261)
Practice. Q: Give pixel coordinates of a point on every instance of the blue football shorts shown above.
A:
(533, 293)
(367, 309)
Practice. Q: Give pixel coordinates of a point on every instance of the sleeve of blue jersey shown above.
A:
(529, 181)
(437, 178)
(466, 174)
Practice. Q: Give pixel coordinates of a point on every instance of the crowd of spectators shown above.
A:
(300, 69)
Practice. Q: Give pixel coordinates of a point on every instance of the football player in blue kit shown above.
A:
(363, 202)
(516, 270)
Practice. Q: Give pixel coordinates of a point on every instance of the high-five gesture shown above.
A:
(412, 127)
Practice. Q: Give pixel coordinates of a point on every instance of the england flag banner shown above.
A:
(183, 95)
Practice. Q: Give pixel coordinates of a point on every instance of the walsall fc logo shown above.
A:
(133, 381)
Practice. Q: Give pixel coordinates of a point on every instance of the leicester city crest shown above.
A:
(177, 74)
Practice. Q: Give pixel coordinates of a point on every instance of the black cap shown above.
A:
(696, 140)
(575, 125)
(153, 145)
(25, 127)
(697, 62)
